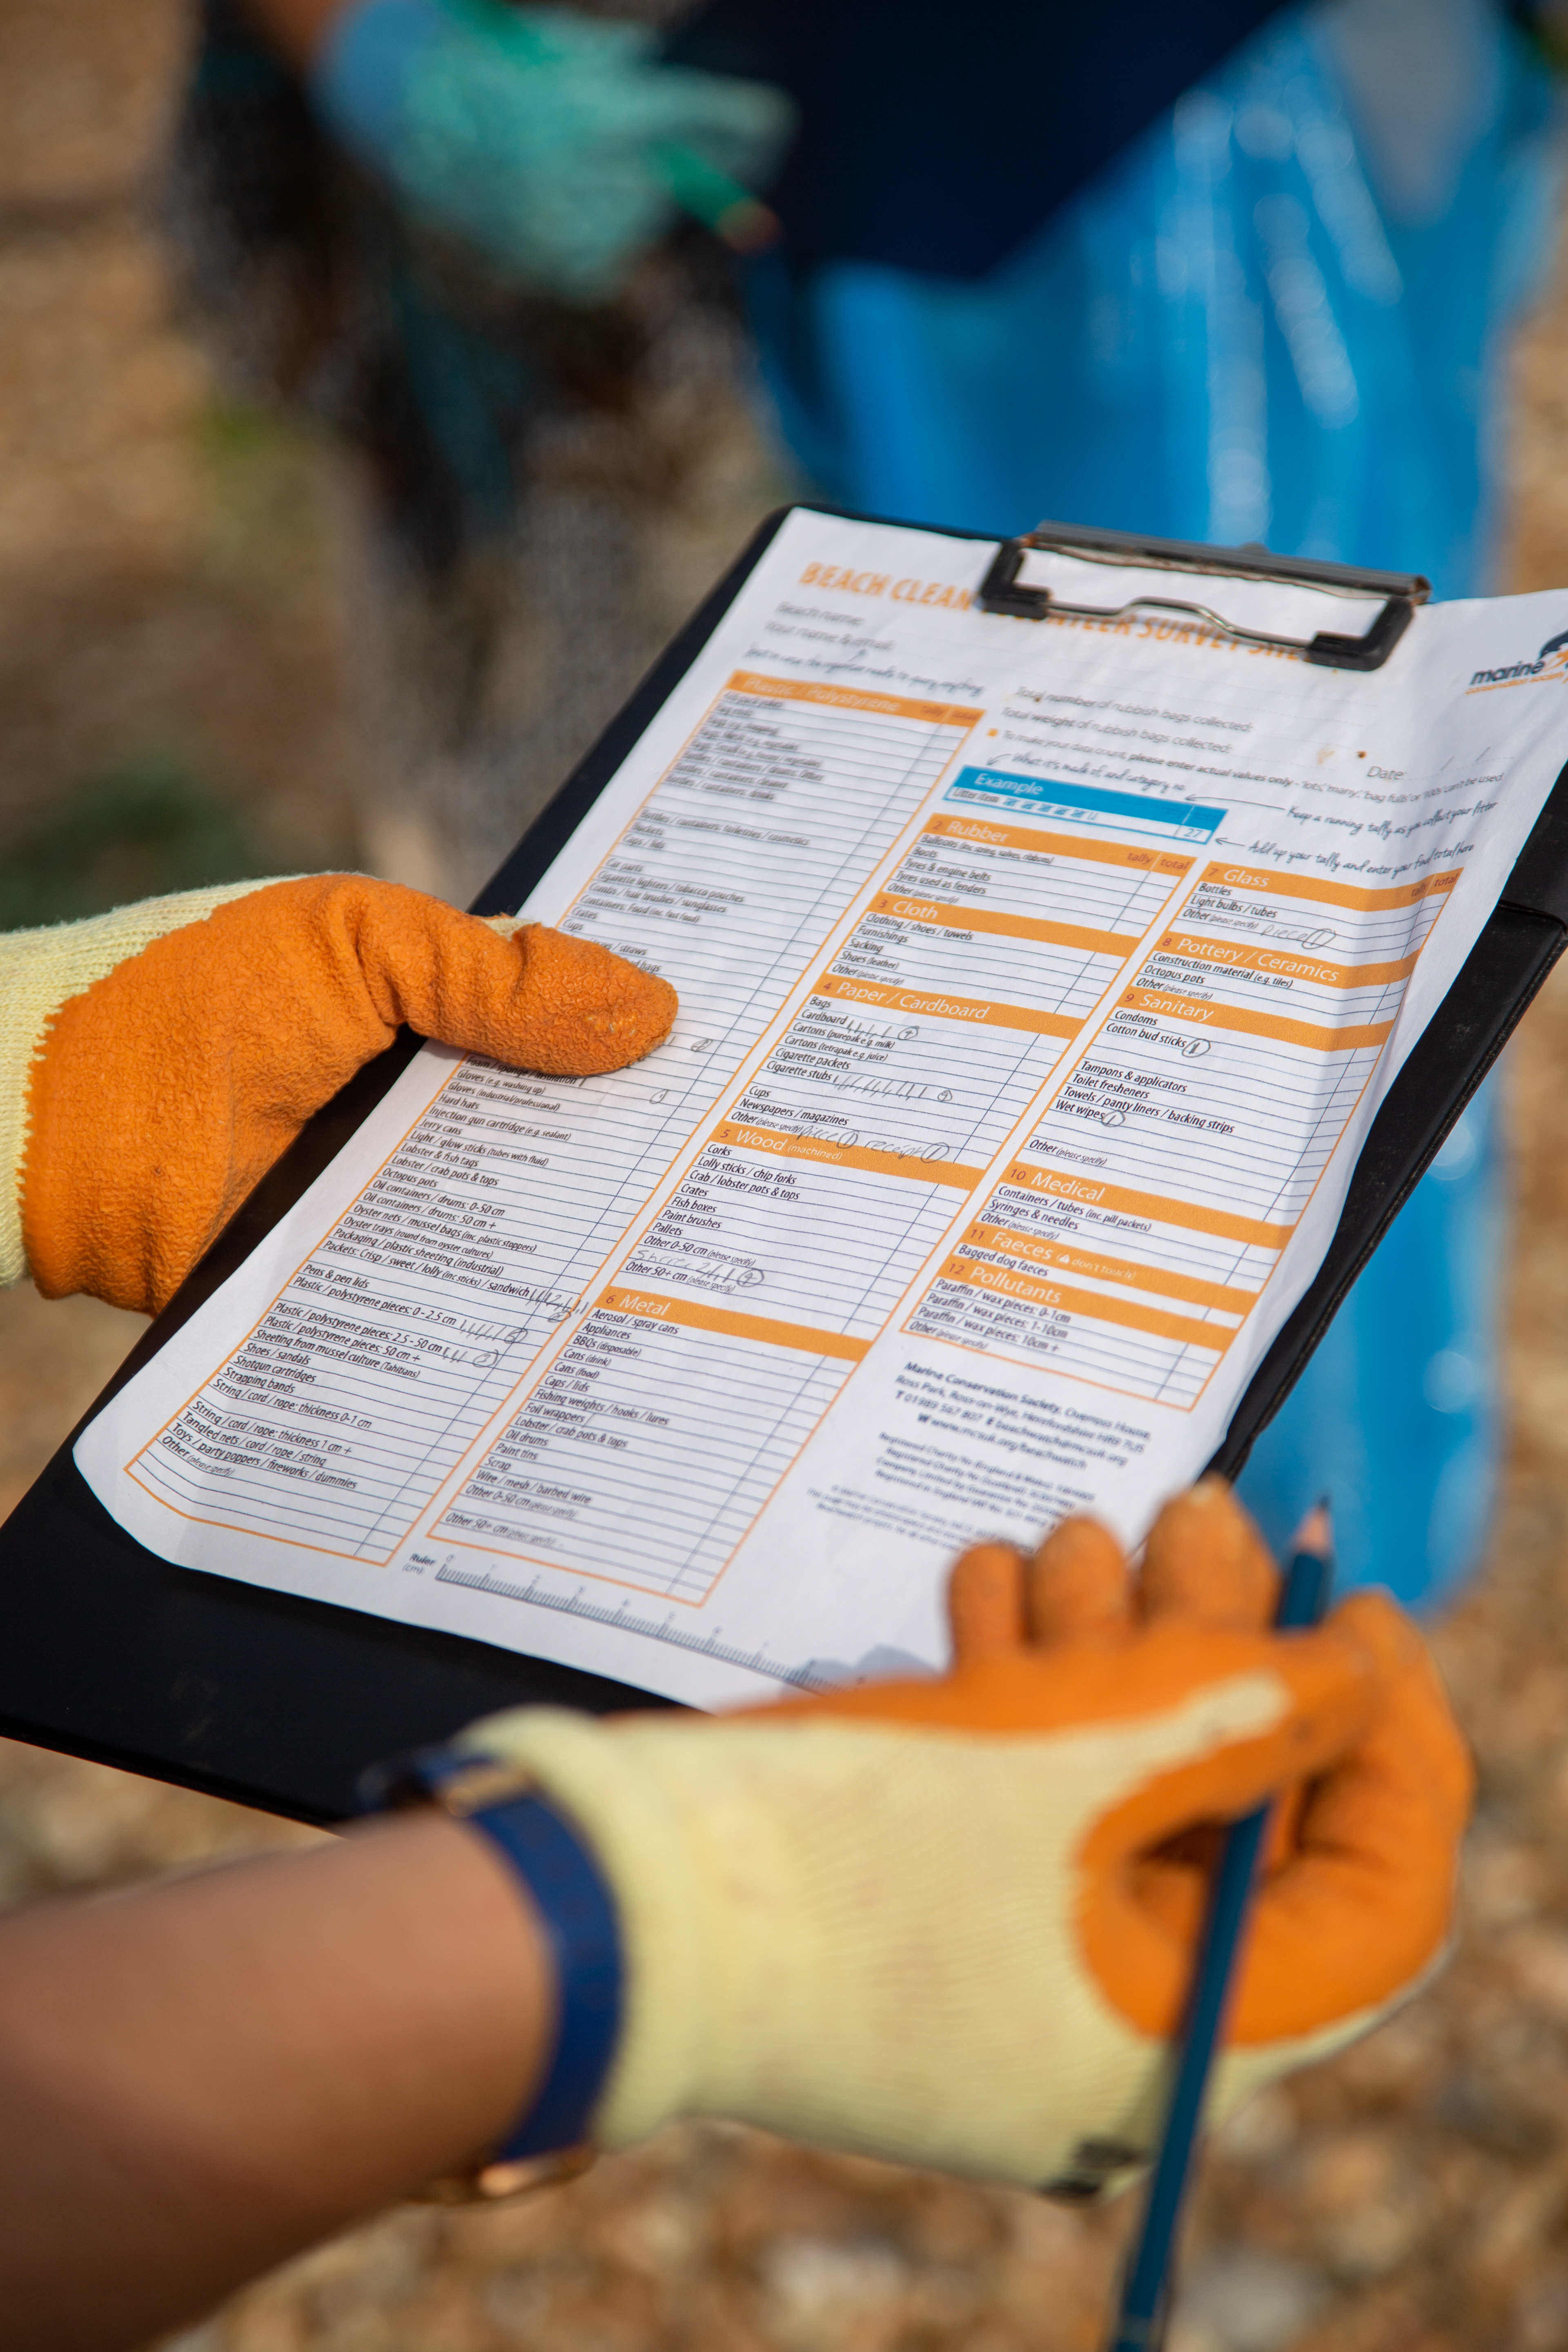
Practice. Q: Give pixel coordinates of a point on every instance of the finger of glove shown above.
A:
(741, 127)
(1369, 1889)
(566, 202)
(545, 175)
(1078, 1584)
(561, 33)
(1205, 1560)
(1282, 1707)
(540, 1000)
(985, 1602)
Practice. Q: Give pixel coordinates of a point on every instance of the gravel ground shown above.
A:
(165, 576)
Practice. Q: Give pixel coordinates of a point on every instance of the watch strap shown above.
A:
(572, 1901)
(577, 1912)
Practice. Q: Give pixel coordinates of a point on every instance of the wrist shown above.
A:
(573, 1919)
(604, 1781)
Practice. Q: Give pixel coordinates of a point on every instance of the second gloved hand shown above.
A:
(953, 1921)
(534, 133)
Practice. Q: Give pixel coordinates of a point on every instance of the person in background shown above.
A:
(447, 228)
(1224, 273)
(947, 1921)
(1278, 312)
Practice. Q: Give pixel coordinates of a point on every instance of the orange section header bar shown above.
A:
(1328, 894)
(1041, 1252)
(1290, 967)
(1129, 1312)
(1186, 1213)
(1258, 1024)
(1009, 926)
(935, 1007)
(850, 697)
(738, 1327)
(827, 1154)
(1058, 845)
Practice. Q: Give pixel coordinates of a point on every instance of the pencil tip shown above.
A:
(1316, 1532)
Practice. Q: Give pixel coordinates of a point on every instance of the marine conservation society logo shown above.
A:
(1552, 661)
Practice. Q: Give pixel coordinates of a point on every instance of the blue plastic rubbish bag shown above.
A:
(1280, 316)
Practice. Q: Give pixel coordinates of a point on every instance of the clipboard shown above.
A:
(113, 1654)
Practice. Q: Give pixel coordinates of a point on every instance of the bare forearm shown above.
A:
(298, 27)
(222, 2070)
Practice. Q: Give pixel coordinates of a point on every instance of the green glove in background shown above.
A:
(548, 140)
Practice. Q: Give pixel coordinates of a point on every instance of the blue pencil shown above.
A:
(1140, 2320)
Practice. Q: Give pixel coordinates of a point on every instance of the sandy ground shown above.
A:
(163, 576)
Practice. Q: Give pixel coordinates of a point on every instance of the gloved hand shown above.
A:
(539, 135)
(164, 1092)
(943, 1921)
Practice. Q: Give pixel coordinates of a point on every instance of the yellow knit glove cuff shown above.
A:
(39, 971)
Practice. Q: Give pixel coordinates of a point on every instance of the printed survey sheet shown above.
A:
(1038, 984)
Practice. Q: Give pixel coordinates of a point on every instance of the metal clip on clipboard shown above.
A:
(1005, 591)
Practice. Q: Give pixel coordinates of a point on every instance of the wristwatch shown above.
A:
(569, 1895)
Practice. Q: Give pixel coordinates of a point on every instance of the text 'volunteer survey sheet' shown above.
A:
(1038, 984)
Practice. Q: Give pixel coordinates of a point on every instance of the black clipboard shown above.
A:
(110, 1652)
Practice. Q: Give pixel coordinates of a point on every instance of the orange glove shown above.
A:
(1360, 1866)
(164, 1093)
(955, 1920)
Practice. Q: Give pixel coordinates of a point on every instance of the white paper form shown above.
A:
(1038, 984)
